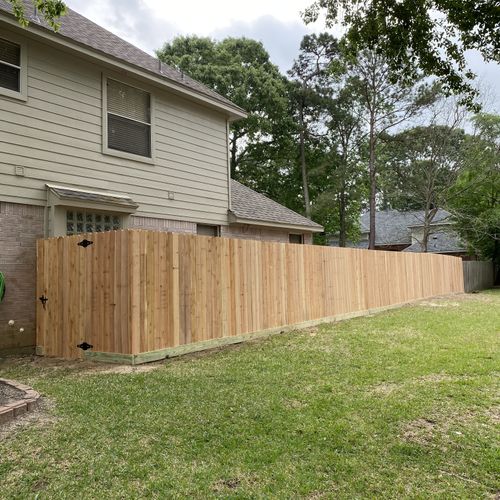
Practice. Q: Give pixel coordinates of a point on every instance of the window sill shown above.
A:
(128, 156)
(19, 96)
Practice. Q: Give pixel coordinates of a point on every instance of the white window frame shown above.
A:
(22, 95)
(115, 152)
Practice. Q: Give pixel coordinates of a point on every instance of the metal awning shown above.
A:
(65, 195)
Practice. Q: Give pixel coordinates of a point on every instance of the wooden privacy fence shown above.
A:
(478, 275)
(144, 295)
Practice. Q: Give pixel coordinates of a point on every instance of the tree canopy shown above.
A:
(50, 10)
(430, 36)
(475, 203)
(240, 70)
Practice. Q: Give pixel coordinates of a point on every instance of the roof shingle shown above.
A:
(248, 204)
(440, 242)
(393, 227)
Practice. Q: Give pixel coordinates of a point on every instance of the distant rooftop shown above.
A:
(393, 226)
(440, 242)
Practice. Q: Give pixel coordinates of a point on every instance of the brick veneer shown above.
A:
(153, 224)
(20, 227)
(237, 231)
(260, 233)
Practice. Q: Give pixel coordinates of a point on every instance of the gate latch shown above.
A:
(43, 300)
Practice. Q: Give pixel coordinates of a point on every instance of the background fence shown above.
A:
(478, 275)
(132, 292)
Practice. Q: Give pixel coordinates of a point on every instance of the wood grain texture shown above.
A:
(134, 292)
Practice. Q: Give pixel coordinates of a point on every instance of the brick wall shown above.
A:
(153, 224)
(20, 227)
(260, 233)
(236, 231)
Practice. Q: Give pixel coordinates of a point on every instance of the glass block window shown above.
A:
(129, 119)
(82, 221)
(10, 65)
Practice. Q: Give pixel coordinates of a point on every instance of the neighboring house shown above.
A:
(403, 232)
(97, 135)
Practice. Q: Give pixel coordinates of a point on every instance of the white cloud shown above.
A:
(277, 23)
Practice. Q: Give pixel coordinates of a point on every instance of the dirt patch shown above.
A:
(419, 431)
(448, 424)
(294, 404)
(440, 377)
(102, 370)
(494, 415)
(385, 388)
(41, 417)
(47, 366)
(438, 303)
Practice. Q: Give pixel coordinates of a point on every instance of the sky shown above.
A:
(276, 23)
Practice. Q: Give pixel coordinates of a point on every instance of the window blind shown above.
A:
(129, 119)
(10, 65)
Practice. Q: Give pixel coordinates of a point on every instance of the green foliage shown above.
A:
(342, 174)
(309, 92)
(475, 200)
(50, 10)
(240, 70)
(430, 36)
(420, 165)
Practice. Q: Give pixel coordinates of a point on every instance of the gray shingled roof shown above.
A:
(440, 242)
(392, 226)
(65, 193)
(81, 30)
(248, 204)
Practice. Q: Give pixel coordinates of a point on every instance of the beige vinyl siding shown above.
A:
(57, 137)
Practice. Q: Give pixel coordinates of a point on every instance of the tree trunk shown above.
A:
(429, 215)
(303, 166)
(233, 159)
(342, 216)
(373, 182)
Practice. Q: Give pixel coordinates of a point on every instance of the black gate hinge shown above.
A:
(84, 346)
(85, 243)
(43, 300)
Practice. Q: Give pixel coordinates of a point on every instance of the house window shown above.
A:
(296, 238)
(10, 68)
(83, 221)
(206, 230)
(129, 119)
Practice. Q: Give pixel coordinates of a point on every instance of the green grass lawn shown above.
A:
(402, 404)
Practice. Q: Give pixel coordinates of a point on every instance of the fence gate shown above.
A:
(82, 294)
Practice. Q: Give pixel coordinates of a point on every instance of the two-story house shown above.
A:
(96, 135)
